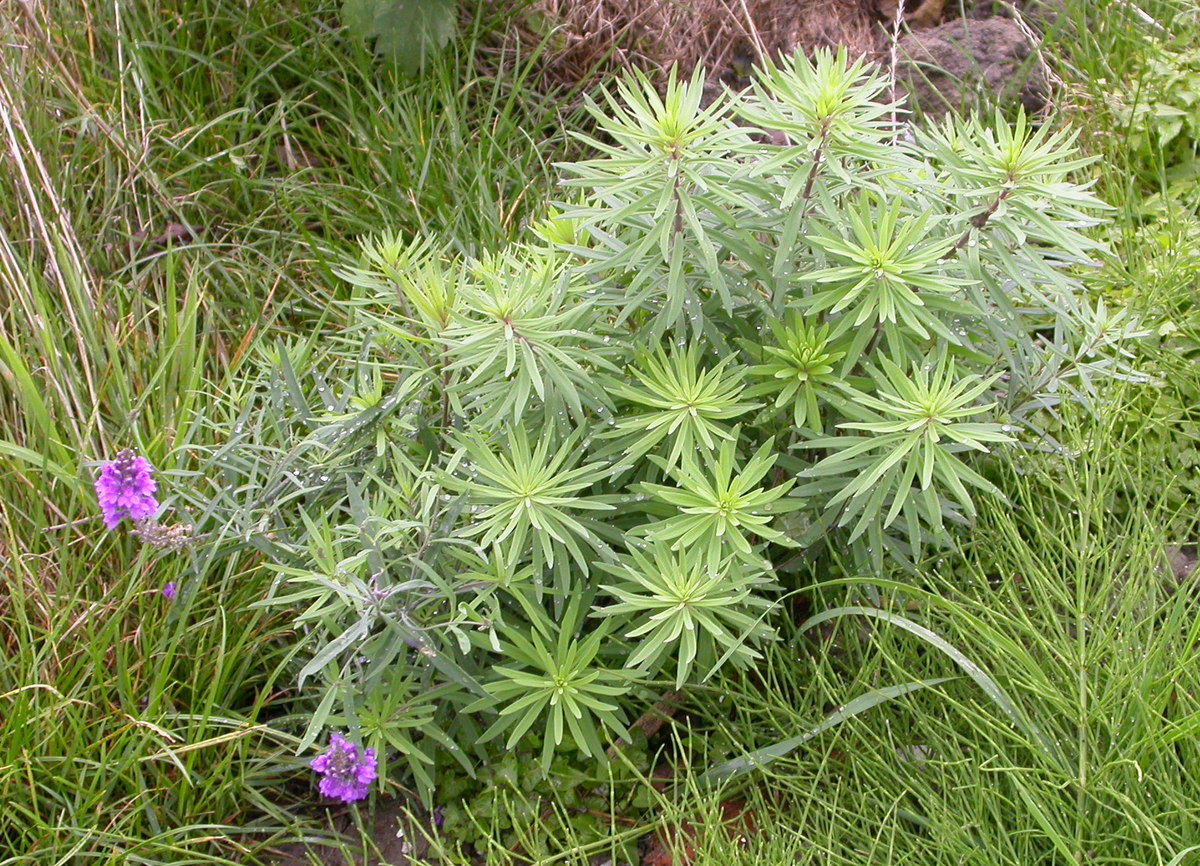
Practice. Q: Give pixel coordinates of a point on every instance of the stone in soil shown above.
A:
(968, 62)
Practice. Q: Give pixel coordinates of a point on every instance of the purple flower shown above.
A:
(168, 591)
(125, 489)
(345, 776)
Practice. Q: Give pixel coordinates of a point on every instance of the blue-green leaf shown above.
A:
(405, 31)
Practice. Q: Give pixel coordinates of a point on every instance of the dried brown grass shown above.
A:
(582, 39)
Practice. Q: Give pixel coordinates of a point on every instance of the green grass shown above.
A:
(1064, 599)
(1102, 51)
(134, 730)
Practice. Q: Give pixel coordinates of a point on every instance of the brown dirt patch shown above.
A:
(581, 39)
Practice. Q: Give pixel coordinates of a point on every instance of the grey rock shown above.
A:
(970, 63)
(1042, 15)
(1182, 561)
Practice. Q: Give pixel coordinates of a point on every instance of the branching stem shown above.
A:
(977, 222)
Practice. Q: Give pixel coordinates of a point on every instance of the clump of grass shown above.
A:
(129, 722)
(172, 190)
(1066, 598)
(1101, 51)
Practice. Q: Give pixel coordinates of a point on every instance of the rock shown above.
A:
(1039, 14)
(1182, 561)
(917, 13)
(966, 63)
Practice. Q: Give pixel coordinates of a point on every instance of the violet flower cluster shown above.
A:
(346, 776)
(125, 489)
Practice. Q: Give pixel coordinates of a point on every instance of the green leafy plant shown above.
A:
(523, 499)
(915, 430)
(686, 404)
(558, 685)
(404, 31)
(677, 598)
(720, 510)
(800, 370)
(549, 482)
(1160, 115)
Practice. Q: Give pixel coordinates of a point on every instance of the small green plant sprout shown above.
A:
(412, 272)
(554, 681)
(678, 603)
(663, 188)
(686, 403)
(720, 508)
(917, 428)
(817, 103)
(523, 498)
(885, 275)
(520, 336)
(800, 370)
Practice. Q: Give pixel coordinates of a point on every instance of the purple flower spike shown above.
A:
(125, 489)
(168, 591)
(346, 777)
